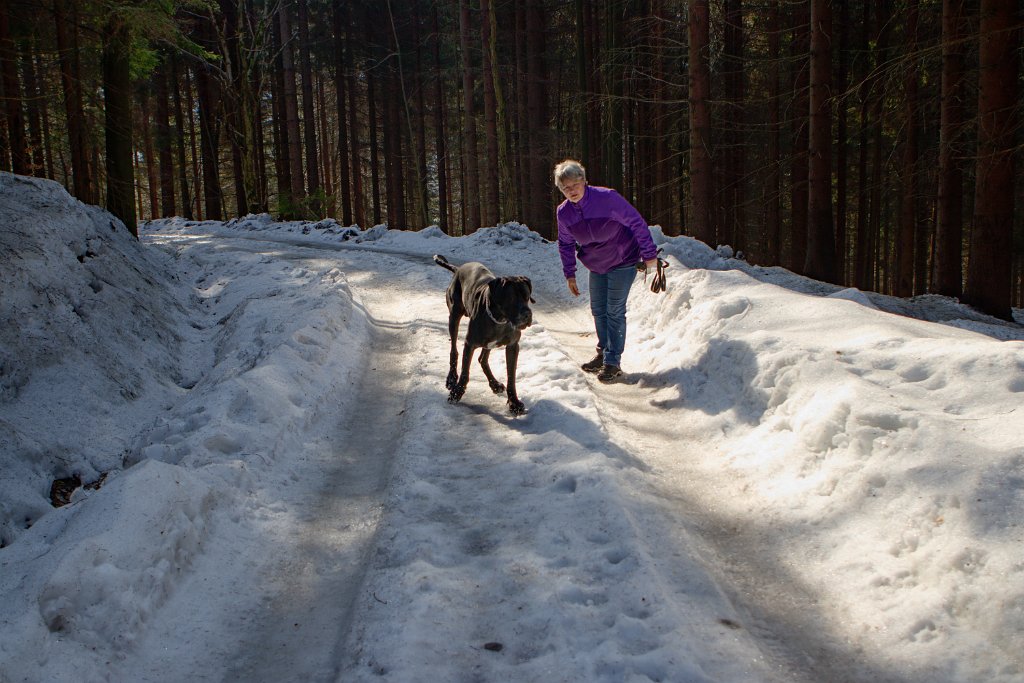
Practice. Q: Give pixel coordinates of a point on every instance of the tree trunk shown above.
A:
(18, 145)
(904, 275)
(988, 274)
(308, 113)
(842, 146)
(190, 107)
(799, 49)
(34, 105)
(732, 172)
(163, 140)
(291, 107)
(210, 116)
(440, 148)
(70, 77)
(471, 195)
(117, 105)
(773, 186)
(612, 169)
(489, 176)
(340, 67)
(539, 186)
(948, 271)
(359, 208)
(422, 190)
(371, 99)
(234, 85)
(820, 261)
(150, 158)
(699, 221)
(179, 122)
(581, 82)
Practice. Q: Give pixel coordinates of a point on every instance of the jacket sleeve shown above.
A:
(624, 213)
(566, 250)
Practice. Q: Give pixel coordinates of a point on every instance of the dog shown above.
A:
(499, 310)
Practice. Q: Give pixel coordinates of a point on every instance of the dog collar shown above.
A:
(487, 310)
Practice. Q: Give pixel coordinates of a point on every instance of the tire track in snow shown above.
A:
(272, 593)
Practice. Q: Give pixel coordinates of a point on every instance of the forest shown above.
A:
(868, 143)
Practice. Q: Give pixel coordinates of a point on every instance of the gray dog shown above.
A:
(499, 311)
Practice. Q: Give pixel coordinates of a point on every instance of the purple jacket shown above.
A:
(609, 231)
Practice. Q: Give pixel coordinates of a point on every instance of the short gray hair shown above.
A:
(570, 169)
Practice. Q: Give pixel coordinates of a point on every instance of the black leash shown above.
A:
(660, 282)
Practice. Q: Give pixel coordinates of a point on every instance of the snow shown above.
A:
(797, 481)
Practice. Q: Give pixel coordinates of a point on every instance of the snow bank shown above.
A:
(89, 343)
(883, 453)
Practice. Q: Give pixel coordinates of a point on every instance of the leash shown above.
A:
(659, 283)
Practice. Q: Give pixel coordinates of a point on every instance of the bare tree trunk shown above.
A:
(291, 107)
(539, 186)
(340, 67)
(308, 113)
(699, 221)
(773, 188)
(799, 49)
(163, 140)
(359, 208)
(989, 267)
(70, 78)
(18, 145)
(948, 278)
(440, 148)
(117, 100)
(471, 196)
(371, 98)
(904, 275)
(842, 164)
(34, 105)
(210, 117)
(731, 191)
(821, 246)
(422, 191)
(150, 158)
(179, 122)
(197, 183)
(613, 132)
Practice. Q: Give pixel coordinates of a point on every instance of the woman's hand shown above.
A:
(572, 286)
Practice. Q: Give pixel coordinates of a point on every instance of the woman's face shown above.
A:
(573, 189)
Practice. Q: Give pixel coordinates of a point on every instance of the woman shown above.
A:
(610, 238)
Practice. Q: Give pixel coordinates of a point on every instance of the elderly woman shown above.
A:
(611, 239)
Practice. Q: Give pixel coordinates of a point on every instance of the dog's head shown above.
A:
(510, 299)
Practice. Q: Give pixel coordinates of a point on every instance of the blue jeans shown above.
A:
(608, 294)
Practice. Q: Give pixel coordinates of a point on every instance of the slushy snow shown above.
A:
(796, 481)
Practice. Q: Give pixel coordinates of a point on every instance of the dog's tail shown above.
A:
(443, 262)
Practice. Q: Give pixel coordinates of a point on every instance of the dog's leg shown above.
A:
(496, 386)
(453, 357)
(515, 406)
(459, 389)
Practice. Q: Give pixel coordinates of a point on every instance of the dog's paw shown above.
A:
(497, 387)
(516, 407)
(455, 395)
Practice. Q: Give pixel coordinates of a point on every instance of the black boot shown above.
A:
(595, 364)
(609, 374)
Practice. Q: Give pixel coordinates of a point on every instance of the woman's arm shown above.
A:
(567, 251)
(625, 213)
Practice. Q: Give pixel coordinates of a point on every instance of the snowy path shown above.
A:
(518, 502)
(282, 609)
